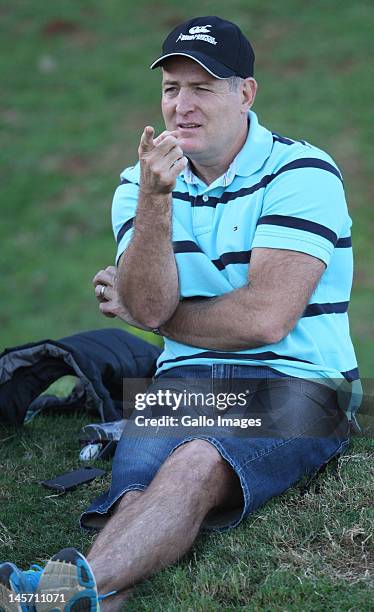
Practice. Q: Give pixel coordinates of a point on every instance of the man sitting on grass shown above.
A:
(233, 244)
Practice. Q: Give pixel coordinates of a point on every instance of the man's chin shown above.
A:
(189, 148)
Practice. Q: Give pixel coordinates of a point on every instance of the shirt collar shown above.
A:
(256, 149)
(250, 158)
(224, 180)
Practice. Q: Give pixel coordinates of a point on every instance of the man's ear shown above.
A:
(249, 89)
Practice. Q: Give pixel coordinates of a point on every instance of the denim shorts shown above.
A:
(276, 431)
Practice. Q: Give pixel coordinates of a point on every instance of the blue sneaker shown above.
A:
(18, 587)
(67, 584)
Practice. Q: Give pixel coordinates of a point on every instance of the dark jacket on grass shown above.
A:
(100, 359)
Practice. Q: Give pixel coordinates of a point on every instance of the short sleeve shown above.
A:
(123, 214)
(304, 209)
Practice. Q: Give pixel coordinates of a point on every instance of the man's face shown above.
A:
(206, 113)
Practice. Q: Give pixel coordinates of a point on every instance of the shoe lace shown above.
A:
(29, 579)
(101, 597)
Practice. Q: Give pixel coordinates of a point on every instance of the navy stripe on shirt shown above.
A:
(287, 141)
(305, 162)
(233, 257)
(125, 227)
(212, 202)
(344, 243)
(349, 375)
(220, 355)
(313, 310)
(282, 139)
(186, 246)
(185, 196)
(297, 223)
(309, 162)
(189, 246)
(244, 257)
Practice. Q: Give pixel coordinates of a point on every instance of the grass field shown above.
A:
(75, 95)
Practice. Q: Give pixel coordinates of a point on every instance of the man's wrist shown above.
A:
(153, 211)
(158, 199)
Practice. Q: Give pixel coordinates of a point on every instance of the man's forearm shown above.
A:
(232, 322)
(147, 276)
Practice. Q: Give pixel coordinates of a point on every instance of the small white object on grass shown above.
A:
(90, 452)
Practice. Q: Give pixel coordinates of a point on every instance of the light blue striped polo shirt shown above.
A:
(277, 193)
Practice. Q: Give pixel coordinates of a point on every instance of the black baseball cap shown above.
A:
(217, 45)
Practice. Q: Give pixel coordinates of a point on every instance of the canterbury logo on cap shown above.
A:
(198, 33)
(200, 29)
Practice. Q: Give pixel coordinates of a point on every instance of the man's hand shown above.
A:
(161, 160)
(105, 283)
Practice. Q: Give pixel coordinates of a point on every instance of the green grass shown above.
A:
(307, 552)
(74, 101)
(75, 95)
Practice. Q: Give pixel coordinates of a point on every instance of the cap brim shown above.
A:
(216, 69)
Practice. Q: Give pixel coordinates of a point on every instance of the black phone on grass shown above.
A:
(71, 480)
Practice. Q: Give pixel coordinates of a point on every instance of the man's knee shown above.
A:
(197, 453)
(199, 462)
(127, 499)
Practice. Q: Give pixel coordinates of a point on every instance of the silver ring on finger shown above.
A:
(102, 292)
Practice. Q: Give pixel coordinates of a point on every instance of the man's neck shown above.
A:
(208, 174)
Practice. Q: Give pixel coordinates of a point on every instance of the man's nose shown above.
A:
(185, 101)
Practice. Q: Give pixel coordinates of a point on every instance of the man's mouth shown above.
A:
(188, 126)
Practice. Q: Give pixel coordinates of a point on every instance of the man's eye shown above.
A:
(202, 88)
(170, 90)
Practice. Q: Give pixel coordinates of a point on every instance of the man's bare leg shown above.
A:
(160, 525)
